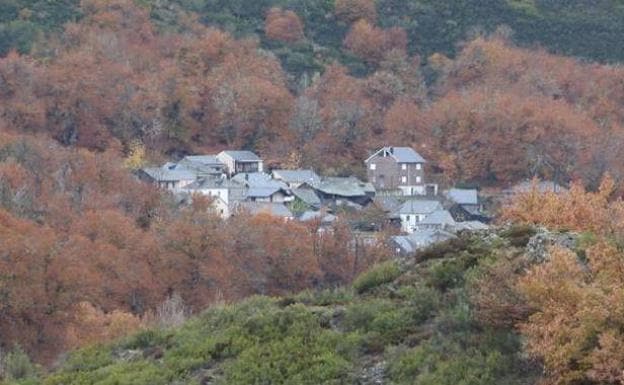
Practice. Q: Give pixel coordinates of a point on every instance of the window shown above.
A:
(407, 218)
(418, 166)
(418, 179)
(403, 166)
(373, 166)
(403, 179)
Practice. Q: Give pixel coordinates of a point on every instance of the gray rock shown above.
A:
(373, 374)
(536, 250)
(129, 355)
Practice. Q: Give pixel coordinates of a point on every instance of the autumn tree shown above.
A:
(283, 25)
(576, 209)
(353, 10)
(370, 43)
(577, 321)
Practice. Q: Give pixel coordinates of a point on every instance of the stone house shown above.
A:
(203, 165)
(240, 162)
(397, 168)
(260, 187)
(170, 176)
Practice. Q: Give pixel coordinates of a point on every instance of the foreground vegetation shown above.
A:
(519, 305)
(412, 324)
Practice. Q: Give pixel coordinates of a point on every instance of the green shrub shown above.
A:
(442, 249)
(519, 235)
(423, 301)
(16, 365)
(325, 297)
(145, 339)
(446, 274)
(377, 276)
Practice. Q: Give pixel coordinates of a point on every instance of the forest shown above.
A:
(92, 89)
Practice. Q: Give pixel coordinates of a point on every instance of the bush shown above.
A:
(379, 275)
(519, 235)
(442, 249)
(16, 365)
(326, 297)
(446, 274)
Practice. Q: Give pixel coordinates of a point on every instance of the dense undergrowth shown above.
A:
(413, 323)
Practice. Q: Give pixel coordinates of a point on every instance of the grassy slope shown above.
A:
(412, 325)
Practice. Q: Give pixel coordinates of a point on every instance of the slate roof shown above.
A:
(242, 156)
(259, 180)
(463, 196)
(400, 154)
(404, 243)
(421, 239)
(207, 160)
(307, 196)
(419, 206)
(471, 226)
(425, 238)
(346, 187)
(216, 182)
(237, 192)
(274, 209)
(297, 176)
(262, 192)
(169, 172)
(388, 203)
(438, 217)
(310, 215)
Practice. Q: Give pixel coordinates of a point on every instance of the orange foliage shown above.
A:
(90, 325)
(576, 314)
(370, 43)
(283, 25)
(575, 209)
(577, 323)
(76, 228)
(353, 10)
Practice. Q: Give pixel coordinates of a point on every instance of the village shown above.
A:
(420, 215)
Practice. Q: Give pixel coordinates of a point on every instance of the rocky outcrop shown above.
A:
(537, 249)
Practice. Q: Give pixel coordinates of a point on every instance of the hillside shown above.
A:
(414, 323)
(590, 30)
(92, 92)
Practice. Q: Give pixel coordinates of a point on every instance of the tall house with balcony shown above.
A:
(237, 162)
(399, 169)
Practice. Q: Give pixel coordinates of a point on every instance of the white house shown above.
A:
(221, 190)
(414, 211)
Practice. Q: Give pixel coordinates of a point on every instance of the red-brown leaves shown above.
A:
(283, 25)
(370, 43)
(575, 209)
(576, 326)
(353, 10)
